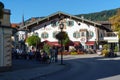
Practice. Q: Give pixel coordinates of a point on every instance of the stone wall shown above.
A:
(6, 18)
(5, 47)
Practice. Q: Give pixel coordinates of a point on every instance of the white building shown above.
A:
(88, 33)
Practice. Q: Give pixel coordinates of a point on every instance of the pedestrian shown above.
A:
(56, 54)
(45, 57)
(38, 55)
(52, 58)
(30, 54)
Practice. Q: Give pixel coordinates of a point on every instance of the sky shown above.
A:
(40, 8)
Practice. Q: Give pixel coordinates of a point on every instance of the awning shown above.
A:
(76, 43)
(50, 43)
(54, 44)
(90, 43)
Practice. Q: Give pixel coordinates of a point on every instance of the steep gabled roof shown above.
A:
(65, 15)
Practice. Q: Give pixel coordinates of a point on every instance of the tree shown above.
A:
(1, 9)
(63, 36)
(46, 48)
(115, 21)
(33, 40)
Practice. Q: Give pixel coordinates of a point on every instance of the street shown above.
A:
(87, 68)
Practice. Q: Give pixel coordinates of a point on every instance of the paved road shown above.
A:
(87, 67)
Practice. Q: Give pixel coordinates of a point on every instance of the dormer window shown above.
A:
(54, 23)
(70, 23)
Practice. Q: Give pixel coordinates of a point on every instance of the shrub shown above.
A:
(106, 46)
(73, 53)
(46, 48)
(116, 49)
(105, 52)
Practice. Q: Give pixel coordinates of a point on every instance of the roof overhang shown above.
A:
(62, 15)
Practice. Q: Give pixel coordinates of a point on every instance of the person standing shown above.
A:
(38, 55)
(51, 54)
(56, 54)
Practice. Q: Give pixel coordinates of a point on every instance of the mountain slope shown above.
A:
(99, 16)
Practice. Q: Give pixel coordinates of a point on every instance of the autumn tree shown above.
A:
(115, 21)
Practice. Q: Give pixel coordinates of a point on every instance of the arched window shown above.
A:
(91, 33)
(44, 35)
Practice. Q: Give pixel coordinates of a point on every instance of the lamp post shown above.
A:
(61, 28)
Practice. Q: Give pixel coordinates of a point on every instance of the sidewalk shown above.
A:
(31, 73)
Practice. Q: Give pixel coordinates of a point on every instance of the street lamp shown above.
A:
(61, 28)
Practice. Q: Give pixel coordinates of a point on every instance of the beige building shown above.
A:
(5, 41)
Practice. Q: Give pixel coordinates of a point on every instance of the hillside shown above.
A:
(99, 16)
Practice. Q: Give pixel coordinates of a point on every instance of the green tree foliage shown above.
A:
(63, 36)
(33, 40)
(46, 48)
(1, 9)
(99, 16)
(116, 49)
(66, 40)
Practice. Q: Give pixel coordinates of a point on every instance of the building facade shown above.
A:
(90, 34)
(5, 41)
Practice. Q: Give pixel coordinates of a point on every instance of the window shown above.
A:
(91, 34)
(54, 34)
(101, 35)
(76, 35)
(44, 35)
(21, 36)
(82, 34)
(70, 23)
(35, 33)
(54, 24)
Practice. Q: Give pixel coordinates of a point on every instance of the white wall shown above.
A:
(69, 30)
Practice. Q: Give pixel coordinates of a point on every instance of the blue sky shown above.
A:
(39, 8)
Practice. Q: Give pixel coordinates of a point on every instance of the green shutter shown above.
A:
(74, 35)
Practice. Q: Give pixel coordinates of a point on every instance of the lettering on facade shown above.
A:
(46, 29)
